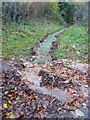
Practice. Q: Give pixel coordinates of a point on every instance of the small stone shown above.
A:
(79, 113)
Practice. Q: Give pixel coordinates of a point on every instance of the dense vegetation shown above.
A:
(61, 12)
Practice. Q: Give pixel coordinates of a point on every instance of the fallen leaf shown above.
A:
(20, 93)
(80, 78)
(84, 105)
(6, 92)
(28, 102)
(36, 97)
(5, 72)
(5, 105)
(10, 115)
(46, 97)
(12, 58)
(53, 68)
(70, 90)
(45, 66)
(40, 110)
(18, 71)
(86, 86)
(52, 100)
(59, 109)
(67, 81)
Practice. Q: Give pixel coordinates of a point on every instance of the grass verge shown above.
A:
(73, 44)
(18, 38)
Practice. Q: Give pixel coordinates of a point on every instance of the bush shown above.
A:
(67, 11)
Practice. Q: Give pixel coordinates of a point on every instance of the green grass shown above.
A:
(73, 44)
(22, 37)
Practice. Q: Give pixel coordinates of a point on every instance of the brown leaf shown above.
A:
(73, 102)
(46, 97)
(63, 103)
(14, 94)
(9, 101)
(59, 109)
(31, 91)
(53, 68)
(28, 102)
(19, 80)
(70, 90)
(20, 93)
(40, 110)
(27, 80)
(80, 78)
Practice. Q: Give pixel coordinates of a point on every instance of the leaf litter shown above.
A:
(20, 101)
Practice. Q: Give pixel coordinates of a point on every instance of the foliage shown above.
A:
(81, 14)
(63, 11)
(58, 18)
(67, 11)
(27, 11)
(74, 12)
(54, 6)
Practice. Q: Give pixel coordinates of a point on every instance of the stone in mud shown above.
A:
(55, 44)
(44, 38)
(41, 72)
(20, 64)
(53, 57)
(41, 40)
(46, 35)
(19, 73)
